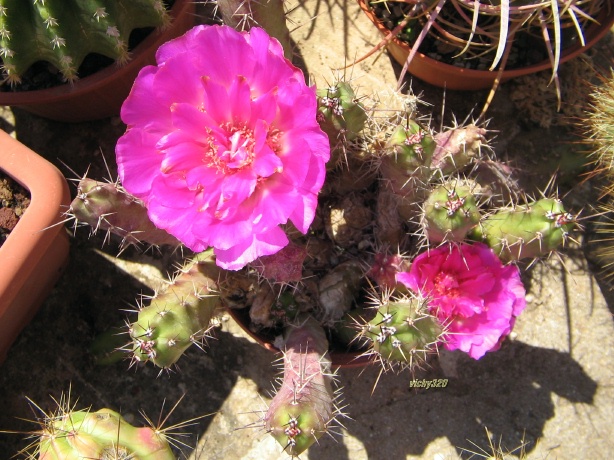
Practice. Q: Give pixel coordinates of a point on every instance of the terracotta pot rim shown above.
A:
(94, 81)
(339, 358)
(593, 34)
(46, 185)
(36, 251)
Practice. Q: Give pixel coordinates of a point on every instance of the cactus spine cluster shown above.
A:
(179, 316)
(64, 32)
(451, 211)
(402, 332)
(104, 434)
(303, 409)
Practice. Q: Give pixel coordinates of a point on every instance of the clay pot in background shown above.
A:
(36, 251)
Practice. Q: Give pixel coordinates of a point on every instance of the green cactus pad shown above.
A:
(526, 231)
(100, 435)
(177, 317)
(64, 32)
(450, 212)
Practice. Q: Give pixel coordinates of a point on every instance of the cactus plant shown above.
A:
(66, 434)
(598, 132)
(101, 434)
(341, 116)
(451, 211)
(108, 207)
(204, 170)
(64, 32)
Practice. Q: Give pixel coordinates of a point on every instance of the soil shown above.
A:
(14, 200)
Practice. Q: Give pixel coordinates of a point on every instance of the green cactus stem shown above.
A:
(405, 167)
(451, 211)
(104, 434)
(64, 32)
(303, 409)
(107, 206)
(270, 15)
(341, 116)
(402, 332)
(179, 316)
(526, 231)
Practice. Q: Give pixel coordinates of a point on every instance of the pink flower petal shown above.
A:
(222, 143)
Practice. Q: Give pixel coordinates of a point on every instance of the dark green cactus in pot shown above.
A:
(64, 32)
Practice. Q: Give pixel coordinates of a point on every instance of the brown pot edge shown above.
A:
(338, 358)
(452, 77)
(38, 246)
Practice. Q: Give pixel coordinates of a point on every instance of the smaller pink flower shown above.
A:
(472, 293)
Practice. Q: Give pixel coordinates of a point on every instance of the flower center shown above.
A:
(233, 152)
(446, 285)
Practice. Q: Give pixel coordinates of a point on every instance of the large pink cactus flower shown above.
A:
(471, 292)
(222, 143)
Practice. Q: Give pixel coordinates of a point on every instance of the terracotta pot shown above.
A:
(36, 251)
(338, 355)
(101, 95)
(452, 77)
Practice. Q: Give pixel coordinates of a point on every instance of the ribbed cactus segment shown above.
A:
(106, 206)
(410, 151)
(103, 434)
(405, 167)
(341, 116)
(179, 316)
(63, 32)
(403, 332)
(450, 212)
(526, 231)
(303, 408)
(340, 111)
